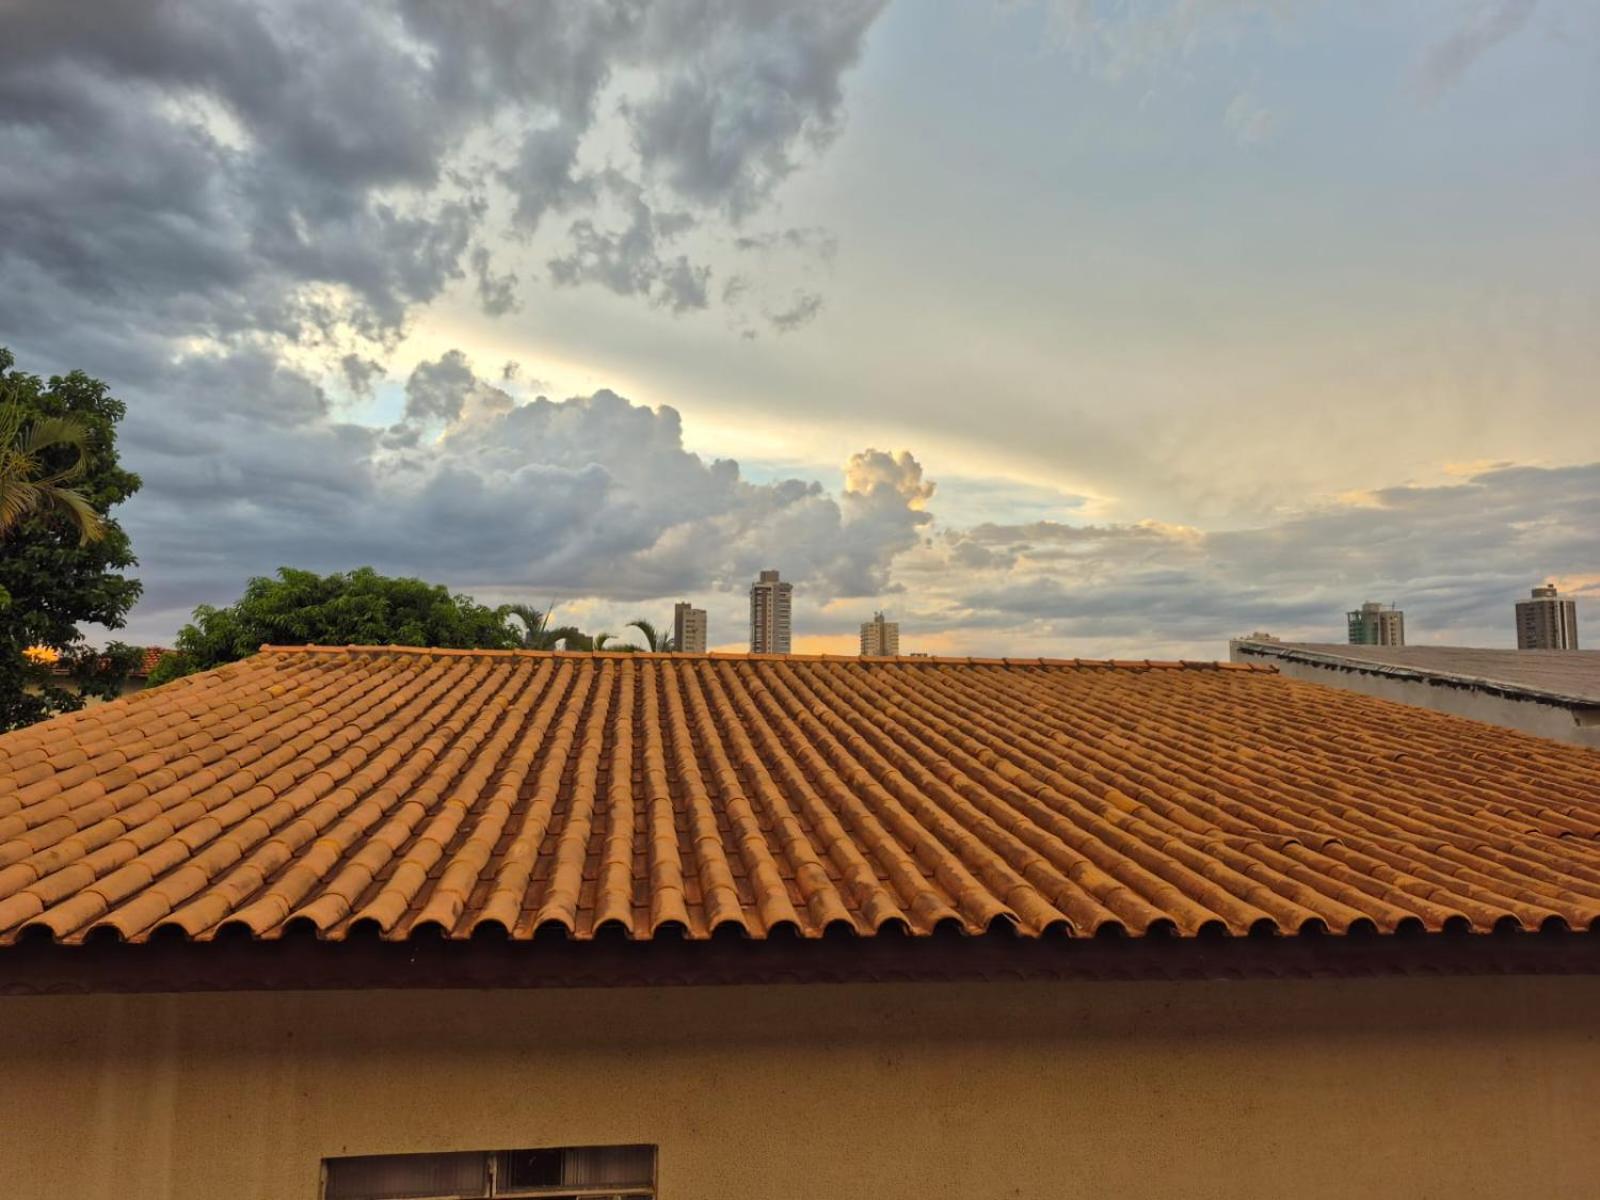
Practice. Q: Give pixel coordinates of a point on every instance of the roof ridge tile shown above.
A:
(908, 660)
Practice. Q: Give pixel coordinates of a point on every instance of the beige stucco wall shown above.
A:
(1390, 1088)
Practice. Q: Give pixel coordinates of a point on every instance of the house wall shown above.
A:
(130, 685)
(1530, 716)
(1411, 1088)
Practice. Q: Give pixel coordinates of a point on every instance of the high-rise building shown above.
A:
(688, 628)
(770, 603)
(1374, 625)
(879, 637)
(1547, 622)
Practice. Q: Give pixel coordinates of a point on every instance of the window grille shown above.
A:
(569, 1173)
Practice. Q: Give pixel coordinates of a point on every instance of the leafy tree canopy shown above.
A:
(358, 608)
(51, 581)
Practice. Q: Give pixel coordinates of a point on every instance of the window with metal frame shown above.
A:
(566, 1173)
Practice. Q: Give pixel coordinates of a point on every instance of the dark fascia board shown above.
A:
(1474, 683)
(305, 963)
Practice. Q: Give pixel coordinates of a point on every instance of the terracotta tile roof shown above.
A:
(395, 792)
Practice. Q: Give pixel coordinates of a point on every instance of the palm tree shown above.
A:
(536, 632)
(655, 640)
(533, 631)
(530, 623)
(27, 486)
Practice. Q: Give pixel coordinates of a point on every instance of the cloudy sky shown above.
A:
(1079, 327)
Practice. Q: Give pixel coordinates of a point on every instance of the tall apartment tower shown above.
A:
(770, 603)
(688, 628)
(1374, 625)
(1547, 622)
(879, 637)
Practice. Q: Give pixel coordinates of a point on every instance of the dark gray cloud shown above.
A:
(360, 373)
(818, 242)
(226, 206)
(632, 259)
(544, 176)
(497, 294)
(592, 495)
(1448, 60)
(197, 171)
(302, 170)
(438, 390)
(801, 310)
(1453, 556)
(511, 374)
(727, 121)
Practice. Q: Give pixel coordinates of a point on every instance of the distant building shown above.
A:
(770, 603)
(880, 637)
(688, 628)
(1547, 622)
(1374, 625)
(1553, 695)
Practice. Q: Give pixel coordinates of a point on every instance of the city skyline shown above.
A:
(1380, 624)
(1546, 621)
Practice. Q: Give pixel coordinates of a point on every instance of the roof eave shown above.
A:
(305, 963)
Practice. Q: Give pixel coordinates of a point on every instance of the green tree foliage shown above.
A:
(51, 579)
(358, 608)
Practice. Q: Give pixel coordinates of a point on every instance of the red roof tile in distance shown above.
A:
(152, 656)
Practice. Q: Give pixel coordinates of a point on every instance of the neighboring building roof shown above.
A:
(152, 656)
(397, 792)
(1567, 677)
